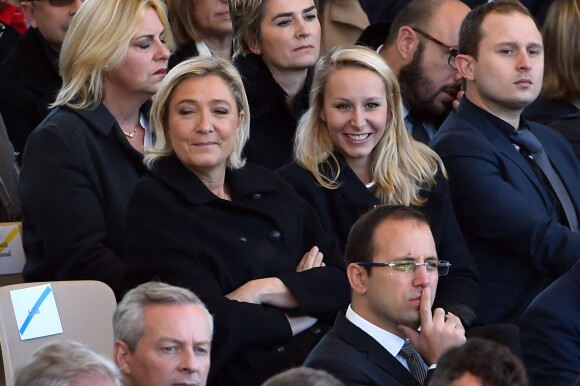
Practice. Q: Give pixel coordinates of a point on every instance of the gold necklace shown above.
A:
(131, 134)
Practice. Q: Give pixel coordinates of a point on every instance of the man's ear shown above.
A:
(407, 43)
(28, 11)
(122, 356)
(357, 277)
(465, 66)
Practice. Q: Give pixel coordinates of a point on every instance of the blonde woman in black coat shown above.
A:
(353, 152)
(236, 234)
(82, 163)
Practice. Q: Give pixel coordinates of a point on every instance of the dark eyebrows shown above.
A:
(289, 14)
(414, 258)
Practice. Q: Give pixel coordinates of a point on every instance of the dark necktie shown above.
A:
(526, 139)
(417, 365)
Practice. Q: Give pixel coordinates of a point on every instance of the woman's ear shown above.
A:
(254, 46)
(240, 119)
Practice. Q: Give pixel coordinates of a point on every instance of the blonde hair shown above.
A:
(401, 167)
(180, 14)
(196, 67)
(98, 40)
(561, 34)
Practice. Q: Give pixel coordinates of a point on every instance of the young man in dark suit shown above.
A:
(519, 218)
(393, 270)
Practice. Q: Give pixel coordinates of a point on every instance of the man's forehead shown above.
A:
(514, 26)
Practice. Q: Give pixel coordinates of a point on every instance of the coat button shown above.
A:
(280, 349)
(256, 196)
(275, 235)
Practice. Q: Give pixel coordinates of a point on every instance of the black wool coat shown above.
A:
(29, 82)
(459, 291)
(78, 173)
(273, 122)
(182, 234)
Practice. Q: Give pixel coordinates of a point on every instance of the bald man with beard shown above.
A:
(421, 48)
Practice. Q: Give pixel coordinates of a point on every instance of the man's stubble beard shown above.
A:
(419, 93)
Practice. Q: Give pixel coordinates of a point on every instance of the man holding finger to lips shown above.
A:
(393, 270)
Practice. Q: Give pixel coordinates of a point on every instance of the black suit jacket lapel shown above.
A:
(375, 353)
(506, 148)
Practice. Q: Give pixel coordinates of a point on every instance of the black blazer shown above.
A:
(550, 333)
(273, 122)
(505, 213)
(78, 173)
(183, 52)
(354, 357)
(458, 292)
(183, 234)
(546, 111)
(29, 82)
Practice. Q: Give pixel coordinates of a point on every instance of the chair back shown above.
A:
(86, 313)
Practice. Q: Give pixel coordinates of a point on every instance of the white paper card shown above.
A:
(12, 256)
(36, 312)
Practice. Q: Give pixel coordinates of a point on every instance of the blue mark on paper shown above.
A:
(35, 309)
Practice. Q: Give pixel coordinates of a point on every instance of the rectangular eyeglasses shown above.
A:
(409, 266)
(453, 52)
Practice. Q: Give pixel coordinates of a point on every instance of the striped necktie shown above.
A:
(417, 365)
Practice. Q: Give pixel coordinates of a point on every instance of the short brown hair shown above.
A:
(246, 16)
(360, 245)
(492, 362)
(470, 34)
(416, 13)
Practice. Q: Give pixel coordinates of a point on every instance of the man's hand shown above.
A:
(438, 332)
(457, 99)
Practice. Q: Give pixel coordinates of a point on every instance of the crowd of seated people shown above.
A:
(200, 27)
(228, 148)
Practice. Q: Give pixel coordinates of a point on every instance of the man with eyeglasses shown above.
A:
(393, 270)
(29, 77)
(421, 48)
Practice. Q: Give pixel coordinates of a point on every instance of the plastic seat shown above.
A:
(86, 313)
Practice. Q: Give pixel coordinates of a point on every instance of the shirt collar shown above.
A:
(505, 128)
(390, 342)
